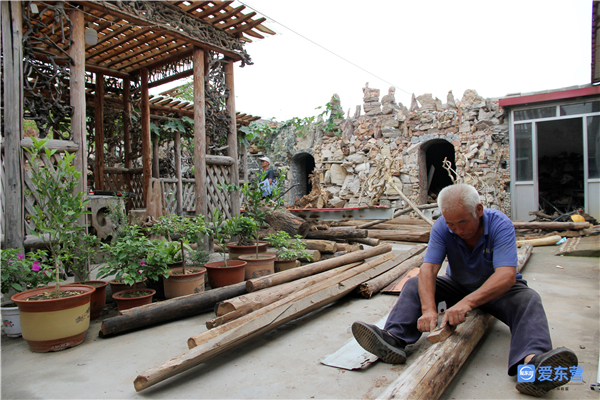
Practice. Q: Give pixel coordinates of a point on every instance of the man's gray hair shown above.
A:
(457, 196)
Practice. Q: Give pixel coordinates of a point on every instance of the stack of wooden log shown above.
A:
(275, 299)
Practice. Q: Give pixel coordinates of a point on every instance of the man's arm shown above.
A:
(427, 277)
(495, 286)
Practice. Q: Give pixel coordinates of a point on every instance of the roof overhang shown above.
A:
(561, 94)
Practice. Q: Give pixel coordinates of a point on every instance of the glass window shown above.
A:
(593, 154)
(580, 108)
(535, 113)
(523, 147)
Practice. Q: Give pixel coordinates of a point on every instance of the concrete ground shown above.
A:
(284, 363)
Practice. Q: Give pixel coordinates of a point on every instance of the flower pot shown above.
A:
(261, 266)
(124, 303)
(236, 251)
(116, 287)
(54, 324)
(178, 285)
(219, 275)
(282, 265)
(98, 297)
(10, 319)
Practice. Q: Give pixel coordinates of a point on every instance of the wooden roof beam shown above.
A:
(110, 46)
(141, 47)
(172, 78)
(123, 47)
(210, 10)
(247, 26)
(220, 17)
(145, 56)
(236, 21)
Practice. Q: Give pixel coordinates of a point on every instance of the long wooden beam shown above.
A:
(99, 132)
(146, 142)
(232, 140)
(200, 133)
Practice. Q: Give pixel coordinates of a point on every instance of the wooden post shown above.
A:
(200, 133)
(99, 131)
(155, 156)
(232, 139)
(12, 48)
(146, 167)
(77, 86)
(244, 153)
(126, 131)
(179, 183)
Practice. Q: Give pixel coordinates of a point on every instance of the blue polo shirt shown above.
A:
(497, 247)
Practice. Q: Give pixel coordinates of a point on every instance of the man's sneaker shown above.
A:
(379, 342)
(561, 357)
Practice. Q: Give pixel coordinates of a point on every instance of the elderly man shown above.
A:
(482, 257)
(268, 175)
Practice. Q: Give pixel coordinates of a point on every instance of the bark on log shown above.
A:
(428, 377)
(551, 225)
(368, 241)
(169, 310)
(324, 246)
(314, 268)
(332, 235)
(288, 222)
(369, 288)
(334, 255)
(349, 247)
(523, 254)
(406, 236)
(215, 342)
(547, 241)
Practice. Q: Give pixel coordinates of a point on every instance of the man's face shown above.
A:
(462, 222)
(264, 164)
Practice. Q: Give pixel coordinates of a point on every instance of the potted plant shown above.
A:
(288, 250)
(132, 259)
(259, 264)
(226, 272)
(182, 280)
(20, 271)
(83, 248)
(54, 318)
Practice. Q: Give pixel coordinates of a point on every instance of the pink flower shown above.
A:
(143, 262)
(139, 272)
(35, 267)
(21, 256)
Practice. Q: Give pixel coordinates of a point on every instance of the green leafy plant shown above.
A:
(23, 271)
(223, 229)
(288, 248)
(81, 248)
(133, 257)
(58, 205)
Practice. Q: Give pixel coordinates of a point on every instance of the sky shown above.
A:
(425, 46)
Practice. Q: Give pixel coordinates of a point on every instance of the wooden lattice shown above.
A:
(137, 187)
(189, 194)
(169, 191)
(115, 181)
(216, 175)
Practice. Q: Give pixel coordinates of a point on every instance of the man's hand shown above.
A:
(427, 322)
(457, 314)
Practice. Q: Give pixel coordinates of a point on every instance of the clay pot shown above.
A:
(54, 324)
(178, 285)
(98, 297)
(116, 287)
(124, 303)
(219, 275)
(11, 323)
(261, 265)
(236, 251)
(283, 265)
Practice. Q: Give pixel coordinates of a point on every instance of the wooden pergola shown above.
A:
(49, 55)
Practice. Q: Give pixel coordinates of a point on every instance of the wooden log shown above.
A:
(288, 222)
(324, 246)
(546, 241)
(368, 241)
(99, 131)
(332, 235)
(349, 247)
(12, 183)
(316, 254)
(214, 342)
(441, 334)
(410, 203)
(406, 236)
(179, 183)
(428, 376)
(334, 255)
(396, 215)
(200, 133)
(369, 288)
(523, 254)
(146, 141)
(551, 225)
(314, 268)
(169, 310)
(219, 160)
(244, 304)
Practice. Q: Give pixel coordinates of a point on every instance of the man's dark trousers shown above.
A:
(520, 308)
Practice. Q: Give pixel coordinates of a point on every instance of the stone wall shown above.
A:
(384, 141)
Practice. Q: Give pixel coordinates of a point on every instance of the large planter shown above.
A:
(261, 265)
(116, 287)
(54, 324)
(98, 297)
(10, 319)
(219, 275)
(124, 302)
(178, 285)
(236, 251)
(283, 265)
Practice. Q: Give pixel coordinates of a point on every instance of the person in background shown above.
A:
(269, 180)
